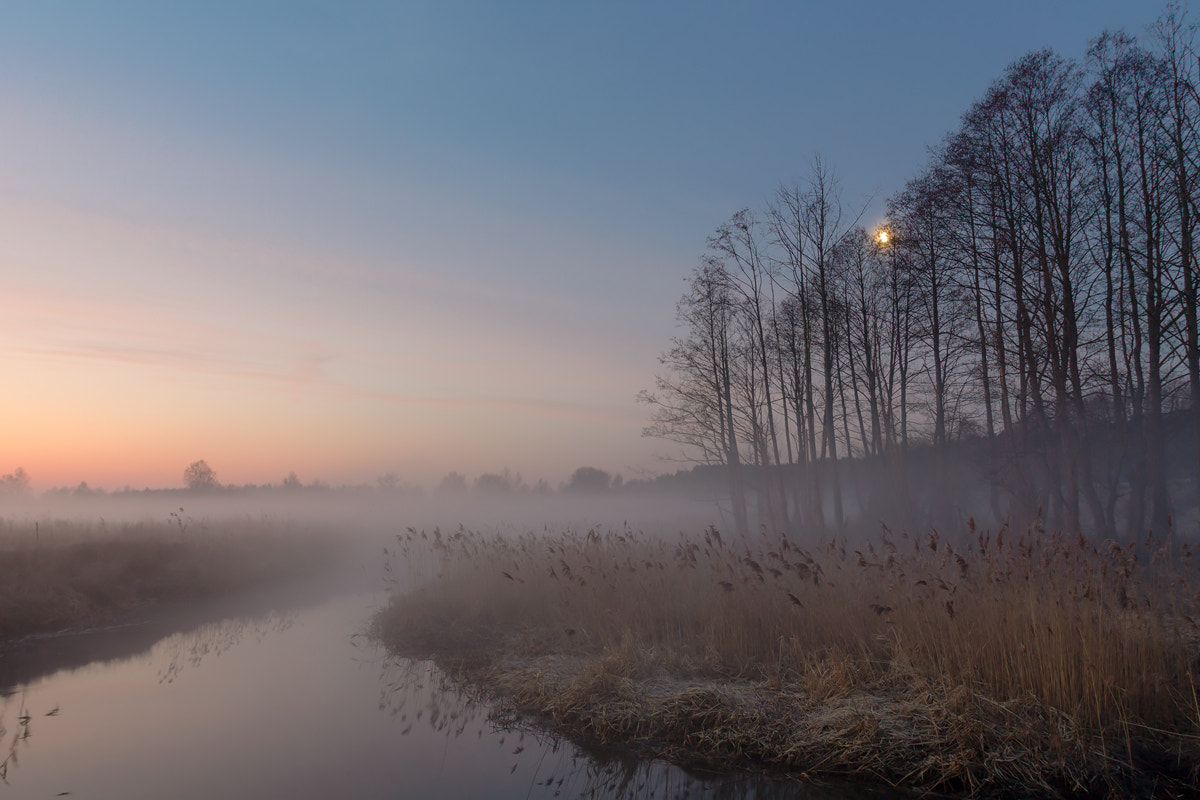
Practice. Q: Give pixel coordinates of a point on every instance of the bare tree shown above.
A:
(199, 476)
(693, 399)
(1039, 285)
(737, 247)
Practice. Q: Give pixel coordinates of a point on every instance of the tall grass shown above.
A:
(1081, 646)
(56, 574)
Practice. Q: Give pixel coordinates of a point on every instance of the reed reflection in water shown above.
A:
(420, 696)
(300, 705)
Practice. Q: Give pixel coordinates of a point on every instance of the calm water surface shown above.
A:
(295, 704)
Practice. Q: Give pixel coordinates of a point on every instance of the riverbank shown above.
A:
(57, 576)
(1030, 665)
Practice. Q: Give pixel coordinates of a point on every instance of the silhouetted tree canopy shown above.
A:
(200, 476)
(15, 482)
(589, 479)
(1035, 288)
(498, 482)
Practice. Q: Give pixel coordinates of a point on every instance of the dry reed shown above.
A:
(1038, 661)
(57, 575)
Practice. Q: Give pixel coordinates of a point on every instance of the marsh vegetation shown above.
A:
(1014, 661)
(57, 575)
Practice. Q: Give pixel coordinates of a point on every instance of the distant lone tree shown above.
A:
(16, 482)
(589, 479)
(200, 476)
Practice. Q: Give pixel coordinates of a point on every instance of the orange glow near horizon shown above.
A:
(116, 428)
(122, 377)
(113, 450)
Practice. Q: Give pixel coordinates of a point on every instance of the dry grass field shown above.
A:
(1026, 663)
(70, 575)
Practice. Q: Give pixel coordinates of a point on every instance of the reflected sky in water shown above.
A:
(300, 705)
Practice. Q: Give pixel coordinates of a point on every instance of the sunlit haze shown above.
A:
(347, 240)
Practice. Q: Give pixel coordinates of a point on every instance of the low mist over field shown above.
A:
(354, 512)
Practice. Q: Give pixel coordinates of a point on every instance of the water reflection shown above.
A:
(297, 704)
(170, 656)
(35, 657)
(417, 693)
(19, 736)
(187, 650)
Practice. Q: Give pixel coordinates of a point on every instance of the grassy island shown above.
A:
(1030, 664)
(69, 575)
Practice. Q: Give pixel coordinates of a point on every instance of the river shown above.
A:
(296, 702)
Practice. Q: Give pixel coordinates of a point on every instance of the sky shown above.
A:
(347, 239)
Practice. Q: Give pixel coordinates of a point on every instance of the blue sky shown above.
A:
(345, 239)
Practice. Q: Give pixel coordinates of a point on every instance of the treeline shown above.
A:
(1027, 315)
(200, 478)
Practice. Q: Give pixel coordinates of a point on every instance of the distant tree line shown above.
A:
(1031, 302)
(507, 482)
(200, 478)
